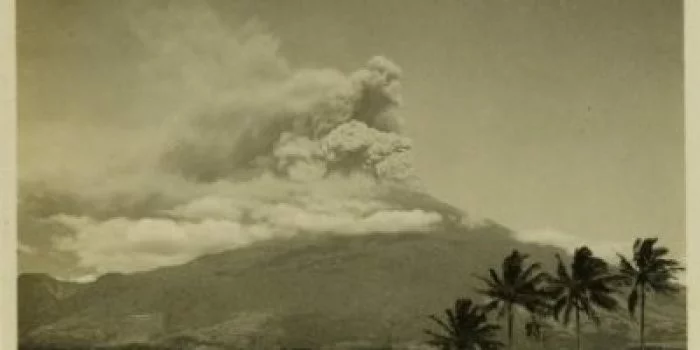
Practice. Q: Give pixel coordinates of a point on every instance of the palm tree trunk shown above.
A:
(578, 331)
(641, 321)
(509, 310)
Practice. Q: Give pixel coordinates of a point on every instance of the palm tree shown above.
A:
(517, 286)
(586, 287)
(465, 328)
(649, 271)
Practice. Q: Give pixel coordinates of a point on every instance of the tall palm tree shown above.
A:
(587, 286)
(649, 271)
(517, 285)
(465, 328)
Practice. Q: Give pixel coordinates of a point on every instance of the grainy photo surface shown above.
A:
(389, 174)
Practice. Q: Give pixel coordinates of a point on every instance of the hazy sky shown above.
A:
(543, 115)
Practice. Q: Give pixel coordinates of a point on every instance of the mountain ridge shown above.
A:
(306, 291)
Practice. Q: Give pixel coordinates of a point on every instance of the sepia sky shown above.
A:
(558, 118)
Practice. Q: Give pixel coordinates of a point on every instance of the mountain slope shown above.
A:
(39, 295)
(307, 292)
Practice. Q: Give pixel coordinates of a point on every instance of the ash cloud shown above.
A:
(234, 147)
(315, 113)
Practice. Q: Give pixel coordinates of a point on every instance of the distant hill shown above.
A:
(325, 290)
(39, 295)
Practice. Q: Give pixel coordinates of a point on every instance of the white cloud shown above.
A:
(605, 249)
(88, 278)
(128, 245)
(209, 207)
(125, 245)
(346, 222)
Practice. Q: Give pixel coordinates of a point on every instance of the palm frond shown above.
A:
(632, 301)
(626, 267)
(567, 312)
(495, 278)
(525, 276)
(562, 273)
(446, 327)
(558, 307)
(489, 282)
(603, 300)
(659, 252)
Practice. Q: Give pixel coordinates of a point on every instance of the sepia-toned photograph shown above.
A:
(351, 174)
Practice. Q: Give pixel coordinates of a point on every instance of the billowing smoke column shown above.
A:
(315, 124)
(352, 131)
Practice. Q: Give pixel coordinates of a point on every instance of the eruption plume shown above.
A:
(311, 122)
(244, 149)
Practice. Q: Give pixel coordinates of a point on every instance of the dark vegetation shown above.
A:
(581, 288)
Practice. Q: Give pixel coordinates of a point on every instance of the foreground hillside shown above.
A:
(332, 291)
